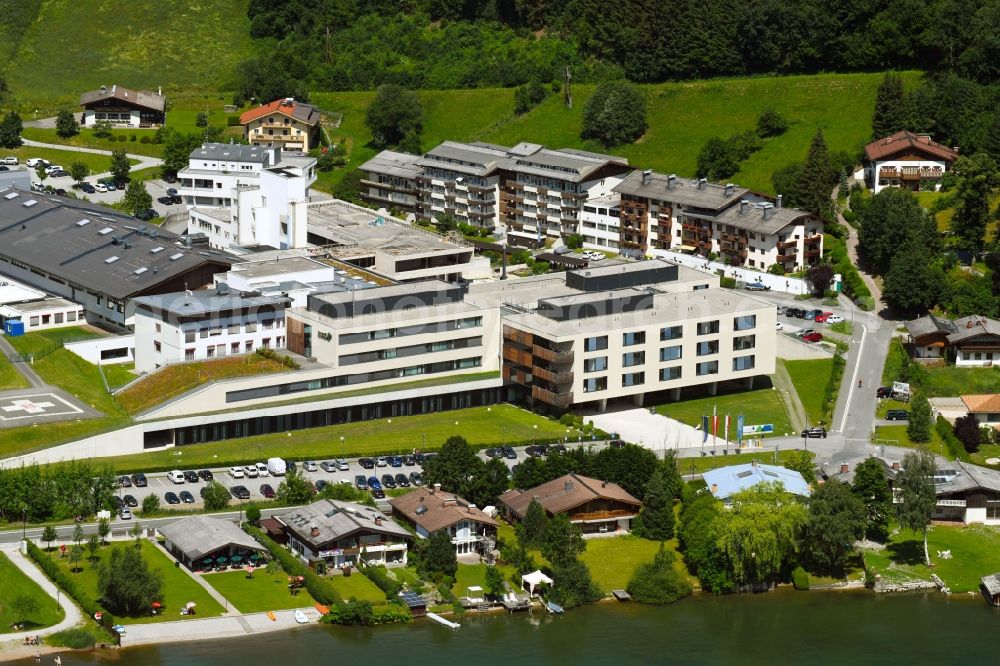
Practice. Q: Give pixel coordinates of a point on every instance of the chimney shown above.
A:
(729, 189)
(895, 466)
(844, 468)
(767, 213)
(114, 87)
(671, 179)
(743, 206)
(955, 148)
(568, 486)
(777, 201)
(715, 489)
(753, 463)
(702, 182)
(378, 520)
(647, 175)
(604, 484)
(313, 530)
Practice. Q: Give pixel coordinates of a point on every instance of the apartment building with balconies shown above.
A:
(283, 123)
(389, 181)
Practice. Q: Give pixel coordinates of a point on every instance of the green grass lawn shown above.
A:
(358, 586)
(65, 158)
(613, 560)
(759, 407)
(261, 593)
(86, 139)
(119, 374)
(842, 327)
(481, 426)
(140, 45)
(15, 585)
(985, 452)
(947, 380)
(810, 379)
(10, 377)
(178, 587)
(703, 464)
(41, 341)
(469, 575)
(895, 435)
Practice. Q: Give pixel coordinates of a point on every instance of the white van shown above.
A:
(276, 466)
(176, 476)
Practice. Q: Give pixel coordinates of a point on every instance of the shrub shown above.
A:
(952, 443)
(800, 578)
(75, 639)
(131, 137)
(392, 614)
(966, 429)
(727, 282)
(771, 123)
(232, 121)
(145, 139)
(380, 576)
(850, 216)
(65, 582)
(351, 613)
(320, 589)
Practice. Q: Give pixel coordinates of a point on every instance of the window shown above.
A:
(203, 333)
(158, 327)
(234, 348)
(189, 336)
(234, 329)
(633, 358)
(248, 346)
(188, 354)
(267, 324)
(210, 351)
(595, 344)
(156, 346)
(385, 354)
(633, 378)
(708, 347)
(595, 364)
(668, 374)
(671, 353)
(637, 338)
(707, 368)
(671, 333)
(708, 327)
(744, 323)
(70, 316)
(595, 384)
(33, 321)
(743, 362)
(742, 342)
(251, 327)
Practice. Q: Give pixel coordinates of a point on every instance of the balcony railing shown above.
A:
(601, 515)
(518, 356)
(951, 502)
(548, 397)
(518, 336)
(552, 356)
(551, 377)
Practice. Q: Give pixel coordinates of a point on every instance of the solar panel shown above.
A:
(770, 473)
(744, 474)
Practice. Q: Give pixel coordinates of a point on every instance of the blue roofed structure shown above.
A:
(727, 481)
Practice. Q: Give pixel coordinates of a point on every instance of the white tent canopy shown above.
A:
(534, 579)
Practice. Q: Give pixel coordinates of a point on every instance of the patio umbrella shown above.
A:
(207, 560)
(190, 604)
(254, 557)
(221, 560)
(157, 604)
(236, 559)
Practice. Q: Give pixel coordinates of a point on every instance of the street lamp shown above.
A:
(24, 521)
(341, 447)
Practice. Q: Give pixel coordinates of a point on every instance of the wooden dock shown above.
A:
(621, 595)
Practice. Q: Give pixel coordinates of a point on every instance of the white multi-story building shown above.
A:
(907, 160)
(200, 325)
(247, 196)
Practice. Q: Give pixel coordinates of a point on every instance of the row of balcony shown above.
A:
(910, 173)
(552, 398)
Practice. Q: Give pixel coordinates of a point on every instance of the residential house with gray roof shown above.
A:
(972, 341)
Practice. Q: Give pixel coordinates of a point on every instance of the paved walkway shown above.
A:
(790, 398)
(231, 610)
(73, 615)
(145, 161)
(213, 627)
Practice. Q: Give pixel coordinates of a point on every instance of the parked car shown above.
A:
(171, 191)
(53, 167)
(187, 497)
(206, 475)
(88, 188)
(388, 481)
(378, 493)
(798, 313)
(493, 452)
(757, 286)
(321, 484)
(329, 466)
(360, 482)
(557, 449)
(834, 319)
(897, 415)
(343, 465)
(409, 461)
(171, 497)
(778, 326)
(59, 173)
(416, 478)
(35, 161)
(240, 492)
(119, 186)
(822, 316)
(146, 215)
(266, 490)
(395, 461)
(402, 481)
(883, 392)
(810, 315)
(124, 513)
(381, 462)
(813, 337)
(420, 458)
(139, 480)
(373, 483)
(509, 453)
(616, 443)
(124, 481)
(805, 331)
(236, 473)
(100, 187)
(130, 500)
(309, 466)
(191, 476)
(366, 463)
(166, 201)
(534, 451)
(815, 432)
(262, 469)
(250, 471)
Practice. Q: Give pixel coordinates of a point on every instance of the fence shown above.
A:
(788, 285)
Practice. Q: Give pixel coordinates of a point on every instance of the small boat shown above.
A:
(554, 607)
(271, 616)
(440, 620)
(300, 617)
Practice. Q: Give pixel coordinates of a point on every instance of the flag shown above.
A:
(739, 429)
(715, 425)
(704, 429)
(726, 437)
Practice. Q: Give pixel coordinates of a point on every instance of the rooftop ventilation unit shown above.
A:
(111, 260)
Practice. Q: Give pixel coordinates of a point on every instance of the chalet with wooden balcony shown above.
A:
(908, 160)
(284, 123)
(597, 507)
(972, 341)
(123, 107)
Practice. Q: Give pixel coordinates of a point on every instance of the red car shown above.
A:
(821, 318)
(267, 491)
(812, 337)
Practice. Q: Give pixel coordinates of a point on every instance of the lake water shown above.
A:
(777, 628)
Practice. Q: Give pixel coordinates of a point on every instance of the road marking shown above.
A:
(854, 377)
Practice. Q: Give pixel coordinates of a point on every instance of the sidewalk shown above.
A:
(213, 627)
(231, 611)
(73, 615)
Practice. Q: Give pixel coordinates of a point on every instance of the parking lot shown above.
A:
(156, 188)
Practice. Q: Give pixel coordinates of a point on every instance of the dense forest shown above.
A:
(360, 44)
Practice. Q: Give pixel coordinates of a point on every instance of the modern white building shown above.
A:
(200, 325)
(249, 196)
(907, 160)
(45, 314)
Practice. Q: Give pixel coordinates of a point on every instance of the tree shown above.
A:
(78, 534)
(816, 179)
(917, 499)
(120, 166)
(771, 123)
(890, 107)
(217, 496)
(393, 113)
(630, 467)
(75, 555)
(41, 172)
(440, 557)
(294, 489)
(10, 130)
(914, 280)
(177, 149)
(891, 217)
(24, 607)
(533, 527)
(78, 171)
(573, 584)
(716, 160)
(574, 241)
(836, 521)
(495, 585)
(126, 584)
(801, 461)
(760, 532)
(93, 545)
(872, 488)
(66, 125)
(253, 514)
(325, 162)
(785, 181)
(103, 529)
(137, 198)
(658, 582)
(201, 120)
(656, 521)
(102, 129)
(528, 96)
(918, 429)
(820, 277)
(966, 429)
(977, 180)
(48, 536)
(136, 534)
(563, 541)
(615, 114)
(151, 503)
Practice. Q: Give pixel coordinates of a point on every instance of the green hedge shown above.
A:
(51, 569)
(947, 435)
(800, 578)
(380, 576)
(320, 589)
(854, 286)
